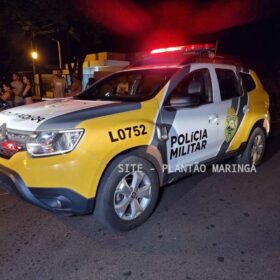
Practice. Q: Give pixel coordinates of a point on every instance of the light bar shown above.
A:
(170, 49)
(186, 48)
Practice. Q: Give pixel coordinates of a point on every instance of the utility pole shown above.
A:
(33, 59)
(34, 56)
(59, 52)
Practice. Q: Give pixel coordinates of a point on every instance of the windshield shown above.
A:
(135, 85)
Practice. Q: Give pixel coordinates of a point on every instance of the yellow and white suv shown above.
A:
(108, 150)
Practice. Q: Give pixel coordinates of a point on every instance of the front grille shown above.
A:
(20, 137)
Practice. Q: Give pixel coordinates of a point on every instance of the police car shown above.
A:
(105, 151)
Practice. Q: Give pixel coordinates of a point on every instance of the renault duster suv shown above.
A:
(105, 151)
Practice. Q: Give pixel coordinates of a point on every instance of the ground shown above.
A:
(206, 227)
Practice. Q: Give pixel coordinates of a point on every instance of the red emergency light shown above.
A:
(186, 48)
(10, 145)
(170, 49)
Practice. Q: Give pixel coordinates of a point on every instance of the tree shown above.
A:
(24, 21)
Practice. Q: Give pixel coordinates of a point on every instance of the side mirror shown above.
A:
(184, 102)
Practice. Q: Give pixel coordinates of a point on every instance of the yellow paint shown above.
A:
(258, 105)
(81, 169)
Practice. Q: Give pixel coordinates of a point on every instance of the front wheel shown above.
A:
(254, 151)
(127, 194)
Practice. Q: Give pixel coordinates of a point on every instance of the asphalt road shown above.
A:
(207, 226)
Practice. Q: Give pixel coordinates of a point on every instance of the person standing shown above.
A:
(18, 87)
(59, 85)
(76, 86)
(27, 92)
(6, 98)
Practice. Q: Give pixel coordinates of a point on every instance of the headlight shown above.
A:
(46, 143)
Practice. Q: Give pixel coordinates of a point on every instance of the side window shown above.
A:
(228, 83)
(247, 81)
(197, 82)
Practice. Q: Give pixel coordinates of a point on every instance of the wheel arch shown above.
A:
(149, 153)
(245, 156)
(260, 124)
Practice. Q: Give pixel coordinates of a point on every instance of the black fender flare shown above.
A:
(259, 124)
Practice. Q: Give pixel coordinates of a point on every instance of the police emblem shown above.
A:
(231, 124)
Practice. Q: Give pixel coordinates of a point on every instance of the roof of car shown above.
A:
(180, 59)
(187, 61)
(179, 56)
(150, 67)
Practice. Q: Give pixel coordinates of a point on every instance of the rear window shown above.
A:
(248, 81)
(228, 83)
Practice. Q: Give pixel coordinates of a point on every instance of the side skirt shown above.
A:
(175, 176)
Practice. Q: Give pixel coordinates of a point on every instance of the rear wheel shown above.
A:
(127, 194)
(254, 151)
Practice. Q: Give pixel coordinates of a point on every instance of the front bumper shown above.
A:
(61, 200)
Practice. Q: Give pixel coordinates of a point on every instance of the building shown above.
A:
(96, 65)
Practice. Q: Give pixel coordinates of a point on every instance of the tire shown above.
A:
(255, 148)
(121, 192)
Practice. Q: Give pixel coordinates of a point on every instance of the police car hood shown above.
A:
(64, 113)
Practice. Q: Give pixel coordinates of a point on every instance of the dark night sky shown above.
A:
(249, 29)
(245, 28)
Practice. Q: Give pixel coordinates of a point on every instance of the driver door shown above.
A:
(193, 129)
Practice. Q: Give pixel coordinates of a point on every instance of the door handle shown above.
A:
(213, 118)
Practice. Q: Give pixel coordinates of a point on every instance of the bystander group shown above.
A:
(16, 93)
(20, 90)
